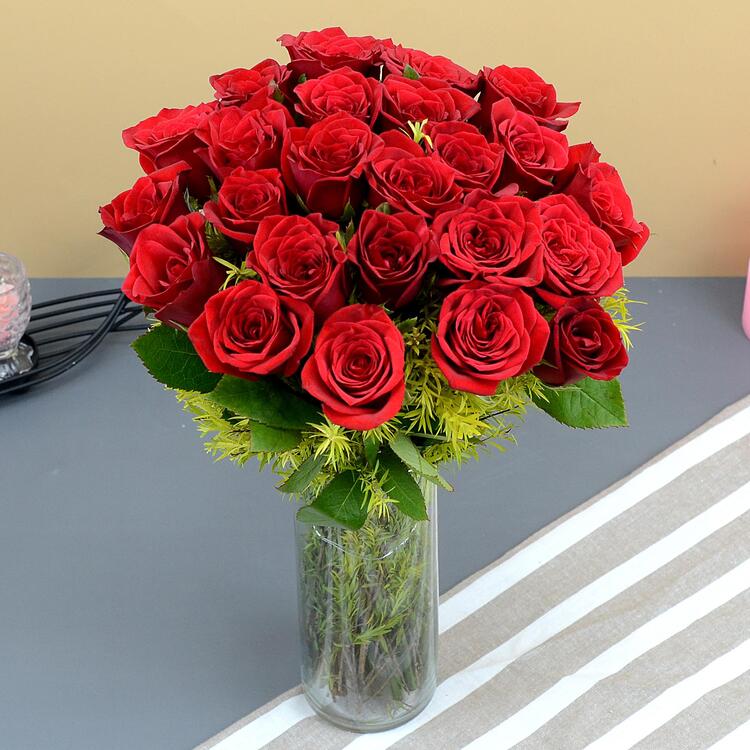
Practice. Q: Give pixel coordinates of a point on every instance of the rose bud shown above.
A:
(396, 58)
(300, 257)
(172, 270)
(579, 258)
(241, 84)
(392, 253)
(248, 330)
(245, 197)
(323, 163)
(357, 368)
(528, 92)
(598, 188)
(487, 333)
(494, 238)
(584, 343)
(156, 198)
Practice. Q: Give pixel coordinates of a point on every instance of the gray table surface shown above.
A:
(147, 594)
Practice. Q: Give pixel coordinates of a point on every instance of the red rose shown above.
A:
(392, 252)
(492, 238)
(314, 52)
(323, 163)
(154, 199)
(172, 270)
(584, 343)
(406, 99)
(401, 174)
(487, 333)
(528, 92)
(533, 154)
(357, 368)
(598, 188)
(396, 58)
(241, 84)
(248, 330)
(579, 258)
(245, 197)
(300, 257)
(342, 90)
(244, 137)
(464, 148)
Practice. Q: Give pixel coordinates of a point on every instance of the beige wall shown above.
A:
(665, 88)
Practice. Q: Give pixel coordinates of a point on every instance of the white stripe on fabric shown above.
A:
(554, 621)
(549, 704)
(675, 699)
(737, 739)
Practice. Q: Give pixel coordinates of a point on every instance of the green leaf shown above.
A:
(587, 404)
(400, 486)
(340, 503)
(409, 72)
(267, 400)
(192, 203)
(349, 214)
(372, 447)
(302, 78)
(299, 480)
(265, 439)
(384, 208)
(405, 449)
(170, 358)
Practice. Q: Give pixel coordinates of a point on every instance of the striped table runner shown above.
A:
(626, 624)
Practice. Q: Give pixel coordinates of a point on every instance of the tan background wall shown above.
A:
(665, 88)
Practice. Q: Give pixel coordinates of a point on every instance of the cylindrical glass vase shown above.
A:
(368, 618)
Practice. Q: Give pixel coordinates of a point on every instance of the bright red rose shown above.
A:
(241, 84)
(245, 197)
(244, 137)
(406, 99)
(492, 238)
(464, 148)
(584, 343)
(357, 368)
(248, 330)
(487, 333)
(579, 258)
(598, 188)
(402, 175)
(323, 163)
(534, 154)
(313, 52)
(342, 90)
(154, 199)
(392, 253)
(396, 58)
(300, 257)
(172, 270)
(528, 92)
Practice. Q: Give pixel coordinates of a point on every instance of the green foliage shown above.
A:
(399, 485)
(617, 307)
(409, 72)
(417, 132)
(340, 503)
(301, 478)
(586, 404)
(265, 439)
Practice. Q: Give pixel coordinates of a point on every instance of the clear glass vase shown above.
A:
(368, 618)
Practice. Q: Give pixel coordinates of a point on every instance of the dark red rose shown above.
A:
(579, 258)
(170, 137)
(528, 92)
(241, 84)
(533, 154)
(487, 333)
(300, 257)
(598, 188)
(172, 270)
(323, 163)
(342, 90)
(396, 58)
(154, 199)
(492, 238)
(244, 137)
(357, 368)
(584, 343)
(313, 52)
(392, 252)
(409, 99)
(464, 148)
(248, 330)
(402, 175)
(245, 197)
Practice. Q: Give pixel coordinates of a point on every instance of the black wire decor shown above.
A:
(64, 331)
